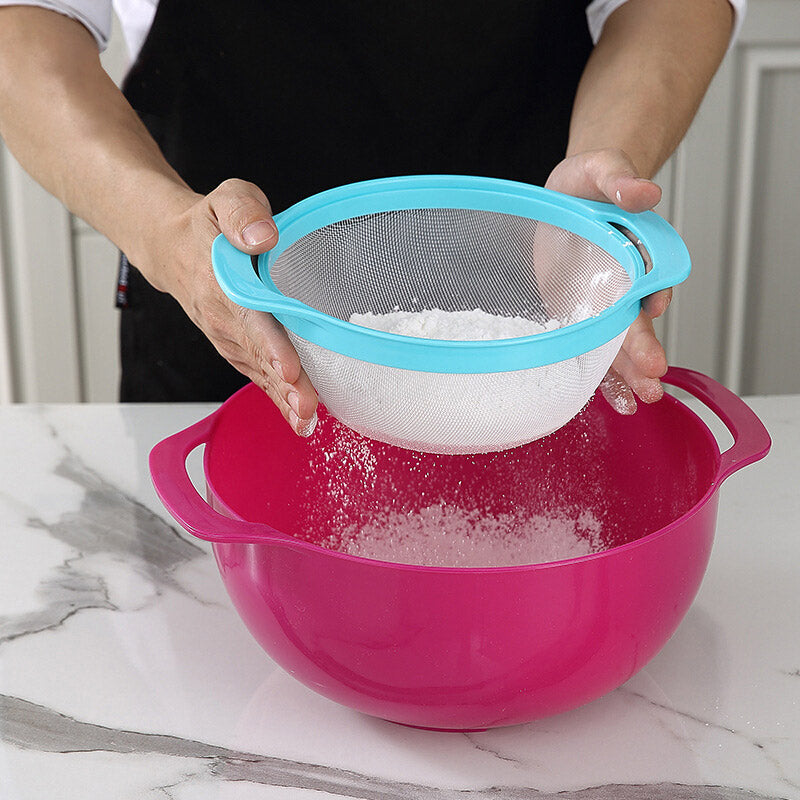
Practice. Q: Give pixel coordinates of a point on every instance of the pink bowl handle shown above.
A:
(177, 492)
(751, 441)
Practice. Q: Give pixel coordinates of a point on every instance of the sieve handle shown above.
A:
(180, 498)
(236, 276)
(751, 440)
(668, 253)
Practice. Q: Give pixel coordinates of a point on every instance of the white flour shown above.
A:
(454, 325)
(453, 537)
(453, 412)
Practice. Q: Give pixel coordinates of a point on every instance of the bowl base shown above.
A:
(439, 730)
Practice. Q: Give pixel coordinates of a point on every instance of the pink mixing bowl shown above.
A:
(458, 648)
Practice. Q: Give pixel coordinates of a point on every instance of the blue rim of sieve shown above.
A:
(247, 282)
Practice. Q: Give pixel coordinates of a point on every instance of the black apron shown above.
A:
(300, 97)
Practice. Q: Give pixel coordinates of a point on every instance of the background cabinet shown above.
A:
(732, 190)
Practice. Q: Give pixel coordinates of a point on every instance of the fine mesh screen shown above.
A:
(453, 260)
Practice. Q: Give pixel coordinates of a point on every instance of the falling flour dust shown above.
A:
(378, 512)
(446, 536)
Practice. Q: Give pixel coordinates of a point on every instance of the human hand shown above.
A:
(609, 175)
(178, 261)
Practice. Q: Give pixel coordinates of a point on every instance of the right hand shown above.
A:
(179, 262)
(609, 175)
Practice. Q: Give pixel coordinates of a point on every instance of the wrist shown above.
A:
(152, 223)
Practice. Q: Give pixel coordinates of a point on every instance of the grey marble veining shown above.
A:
(35, 727)
(108, 522)
(64, 594)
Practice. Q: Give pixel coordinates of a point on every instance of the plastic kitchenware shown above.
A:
(455, 243)
(456, 648)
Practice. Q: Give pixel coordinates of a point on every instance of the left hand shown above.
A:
(610, 176)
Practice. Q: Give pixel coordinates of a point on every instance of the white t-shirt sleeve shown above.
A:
(598, 11)
(95, 15)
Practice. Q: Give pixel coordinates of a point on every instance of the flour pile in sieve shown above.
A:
(453, 412)
(454, 325)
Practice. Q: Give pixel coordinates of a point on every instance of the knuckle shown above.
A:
(233, 186)
(235, 204)
(243, 210)
(237, 198)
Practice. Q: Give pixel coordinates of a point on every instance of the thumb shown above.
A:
(608, 175)
(244, 215)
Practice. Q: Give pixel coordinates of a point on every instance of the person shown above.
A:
(227, 104)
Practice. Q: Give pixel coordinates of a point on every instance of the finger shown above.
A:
(302, 397)
(655, 305)
(617, 392)
(641, 345)
(302, 419)
(271, 346)
(647, 388)
(607, 175)
(252, 342)
(244, 215)
(299, 411)
(274, 355)
(637, 368)
(631, 193)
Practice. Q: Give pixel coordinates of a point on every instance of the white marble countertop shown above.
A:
(126, 673)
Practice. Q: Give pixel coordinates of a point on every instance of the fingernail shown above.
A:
(258, 232)
(618, 395)
(618, 195)
(303, 427)
(308, 426)
(278, 367)
(652, 393)
(293, 399)
(621, 404)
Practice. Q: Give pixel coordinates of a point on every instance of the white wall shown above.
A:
(58, 324)
(732, 190)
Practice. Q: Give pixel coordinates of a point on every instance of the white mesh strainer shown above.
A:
(455, 244)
